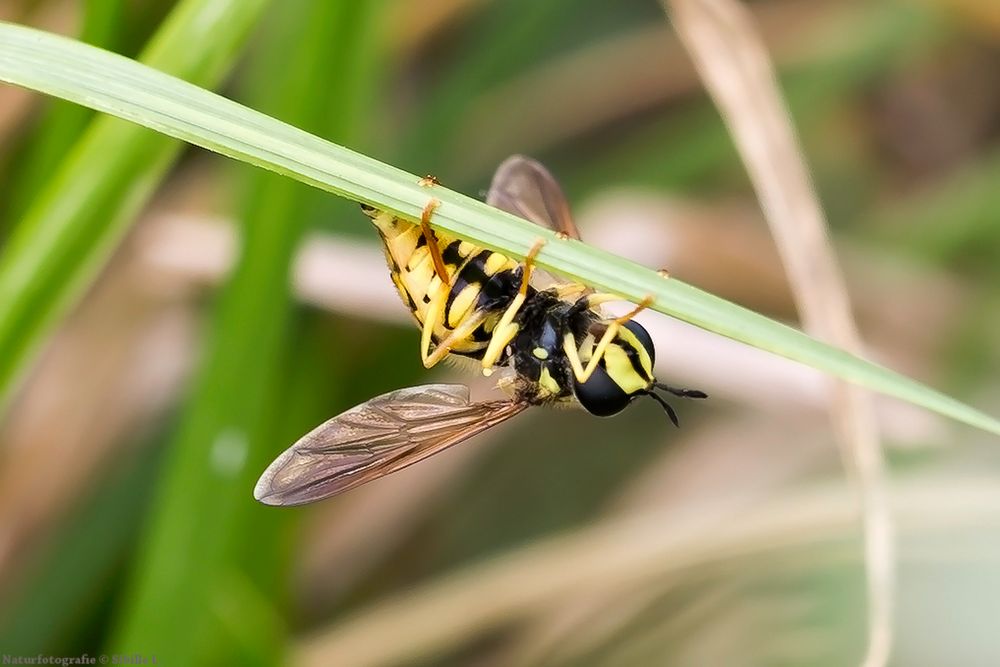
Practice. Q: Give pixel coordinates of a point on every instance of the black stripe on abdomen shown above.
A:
(450, 255)
(473, 272)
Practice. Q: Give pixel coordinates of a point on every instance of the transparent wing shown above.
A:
(525, 188)
(381, 436)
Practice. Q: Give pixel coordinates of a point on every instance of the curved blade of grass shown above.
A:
(132, 91)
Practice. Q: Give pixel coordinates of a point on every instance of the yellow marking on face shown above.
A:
(620, 370)
(540, 353)
(462, 304)
(630, 339)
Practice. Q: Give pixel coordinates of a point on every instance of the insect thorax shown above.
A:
(537, 353)
(623, 372)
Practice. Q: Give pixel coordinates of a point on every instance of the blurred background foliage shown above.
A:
(240, 309)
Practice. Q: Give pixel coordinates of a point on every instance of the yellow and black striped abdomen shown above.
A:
(479, 280)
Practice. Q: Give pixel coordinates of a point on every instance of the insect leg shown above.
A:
(463, 331)
(529, 263)
(570, 289)
(597, 298)
(432, 245)
(583, 374)
(435, 313)
(646, 302)
(573, 355)
(506, 329)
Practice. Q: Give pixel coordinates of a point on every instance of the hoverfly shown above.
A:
(478, 304)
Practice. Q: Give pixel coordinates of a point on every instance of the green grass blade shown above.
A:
(132, 91)
(76, 221)
(214, 606)
(63, 123)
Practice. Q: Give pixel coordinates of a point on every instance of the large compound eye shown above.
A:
(644, 338)
(600, 395)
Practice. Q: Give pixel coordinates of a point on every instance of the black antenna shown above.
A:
(666, 407)
(683, 393)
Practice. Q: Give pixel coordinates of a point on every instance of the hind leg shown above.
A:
(506, 329)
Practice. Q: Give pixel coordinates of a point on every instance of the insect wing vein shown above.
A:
(376, 438)
(525, 188)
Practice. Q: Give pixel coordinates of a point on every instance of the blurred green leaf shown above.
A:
(63, 123)
(689, 149)
(214, 606)
(507, 35)
(77, 220)
(60, 596)
(952, 223)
